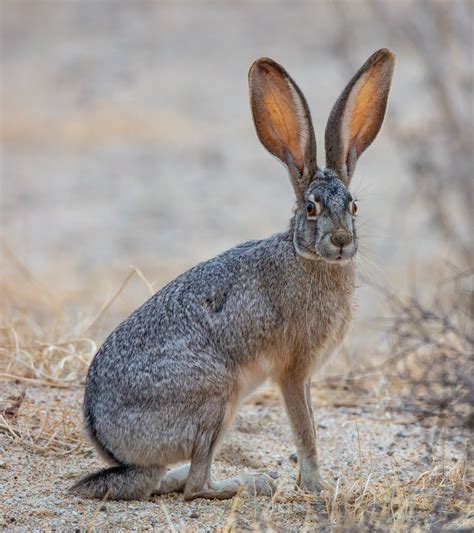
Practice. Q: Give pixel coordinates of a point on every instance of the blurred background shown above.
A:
(127, 140)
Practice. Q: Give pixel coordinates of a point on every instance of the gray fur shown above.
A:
(166, 384)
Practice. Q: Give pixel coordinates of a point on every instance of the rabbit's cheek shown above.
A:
(305, 238)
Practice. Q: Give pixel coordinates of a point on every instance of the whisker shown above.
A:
(370, 267)
(367, 237)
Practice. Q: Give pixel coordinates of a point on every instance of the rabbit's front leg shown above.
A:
(297, 396)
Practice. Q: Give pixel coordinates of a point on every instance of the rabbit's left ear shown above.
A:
(358, 114)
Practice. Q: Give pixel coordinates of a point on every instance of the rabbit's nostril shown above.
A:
(341, 238)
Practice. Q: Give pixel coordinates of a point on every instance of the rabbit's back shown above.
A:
(177, 354)
(206, 309)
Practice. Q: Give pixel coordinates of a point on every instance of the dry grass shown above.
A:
(40, 343)
(432, 349)
(41, 428)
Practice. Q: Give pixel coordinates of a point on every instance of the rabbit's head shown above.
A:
(324, 220)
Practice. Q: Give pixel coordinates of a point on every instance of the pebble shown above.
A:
(274, 474)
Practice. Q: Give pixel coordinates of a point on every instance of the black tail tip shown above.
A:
(92, 486)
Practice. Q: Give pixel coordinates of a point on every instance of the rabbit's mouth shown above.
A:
(339, 260)
(327, 253)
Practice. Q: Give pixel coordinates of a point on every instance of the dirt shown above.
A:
(365, 450)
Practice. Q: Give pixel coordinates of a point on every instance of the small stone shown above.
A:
(194, 514)
(294, 457)
(274, 474)
(103, 509)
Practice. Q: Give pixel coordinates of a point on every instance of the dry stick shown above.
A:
(7, 427)
(107, 304)
(143, 278)
(360, 499)
(42, 382)
(443, 445)
(89, 526)
(334, 499)
(403, 307)
(167, 516)
(359, 443)
(230, 518)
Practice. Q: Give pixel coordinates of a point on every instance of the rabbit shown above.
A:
(167, 383)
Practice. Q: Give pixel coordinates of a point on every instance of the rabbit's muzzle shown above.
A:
(337, 247)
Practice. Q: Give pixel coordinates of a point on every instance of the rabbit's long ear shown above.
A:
(358, 114)
(283, 121)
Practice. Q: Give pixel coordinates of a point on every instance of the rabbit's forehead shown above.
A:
(330, 190)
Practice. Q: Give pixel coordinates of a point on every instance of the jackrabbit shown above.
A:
(167, 383)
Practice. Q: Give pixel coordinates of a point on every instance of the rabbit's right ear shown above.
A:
(283, 121)
(358, 114)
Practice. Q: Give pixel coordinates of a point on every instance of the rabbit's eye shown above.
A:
(353, 207)
(313, 209)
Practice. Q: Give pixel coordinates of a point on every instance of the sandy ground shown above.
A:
(371, 454)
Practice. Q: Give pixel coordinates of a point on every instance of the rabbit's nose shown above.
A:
(341, 238)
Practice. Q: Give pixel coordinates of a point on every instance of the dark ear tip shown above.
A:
(264, 64)
(384, 54)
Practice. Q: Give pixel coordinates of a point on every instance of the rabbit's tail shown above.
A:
(122, 482)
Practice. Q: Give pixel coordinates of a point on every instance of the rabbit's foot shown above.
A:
(258, 485)
(174, 481)
(310, 483)
(261, 485)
